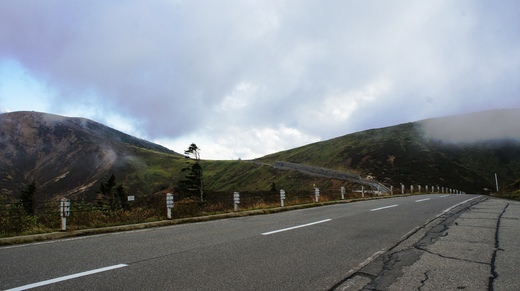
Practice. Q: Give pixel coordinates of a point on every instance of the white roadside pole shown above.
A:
(419, 189)
(426, 188)
(402, 188)
(391, 190)
(342, 193)
(65, 212)
(169, 205)
(282, 197)
(362, 191)
(317, 194)
(236, 200)
(411, 189)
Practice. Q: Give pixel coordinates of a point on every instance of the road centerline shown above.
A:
(68, 277)
(384, 207)
(295, 227)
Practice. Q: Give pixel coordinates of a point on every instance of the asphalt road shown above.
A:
(309, 249)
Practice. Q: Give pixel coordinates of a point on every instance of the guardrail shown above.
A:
(77, 214)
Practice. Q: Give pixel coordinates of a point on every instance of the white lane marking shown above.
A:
(421, 200)
(458, 205)
(64, 278)
(295, 227)
(406, 235)
(444, 196)
(366, 262)
(385, 207)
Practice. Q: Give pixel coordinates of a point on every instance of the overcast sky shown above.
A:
(246, 78)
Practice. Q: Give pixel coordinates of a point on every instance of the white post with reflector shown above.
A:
(169, 205)
(236, 200)
(65, 212)
(342, 193)
(282, 197)
(317, 194)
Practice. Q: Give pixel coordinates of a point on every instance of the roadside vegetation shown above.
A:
(14, 220)
(510, 192)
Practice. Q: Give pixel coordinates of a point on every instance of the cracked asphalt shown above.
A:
(472, 247)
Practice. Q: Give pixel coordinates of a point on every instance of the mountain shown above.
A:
(64, 156)
(461, 152)
(71, 157)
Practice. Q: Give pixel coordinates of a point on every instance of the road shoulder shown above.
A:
(470, 247)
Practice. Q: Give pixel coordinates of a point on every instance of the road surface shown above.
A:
(309, 249)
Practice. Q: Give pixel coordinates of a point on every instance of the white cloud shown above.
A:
(238, 143)
(340, 108)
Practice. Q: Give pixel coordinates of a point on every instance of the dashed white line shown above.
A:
(385, 207)
(64, 278)
(294, 227)
(421, 200)
(444, 196)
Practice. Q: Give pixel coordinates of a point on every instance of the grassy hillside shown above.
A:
(72, 157)
(402, 154)
(145, 172)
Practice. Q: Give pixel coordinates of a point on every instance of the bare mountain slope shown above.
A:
(64, 156)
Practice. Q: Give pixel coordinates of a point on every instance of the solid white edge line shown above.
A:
(294, 227)
(448, 209)
(385, 207)
(366, 262)
(421, 200)
(64, 278)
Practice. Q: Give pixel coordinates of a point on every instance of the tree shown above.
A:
(117, 199)
(193, 150)
(192, 182)
(122, 196)
(27, 198)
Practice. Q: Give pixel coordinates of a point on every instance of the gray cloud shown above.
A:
(300, 70)
(474, 127)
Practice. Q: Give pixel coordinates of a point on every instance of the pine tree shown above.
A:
(192, 182)
(27, 198)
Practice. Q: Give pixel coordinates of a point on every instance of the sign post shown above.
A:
(236, 200)
(169, 205)
(65, 212)
(282, 197)
(317, 194)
